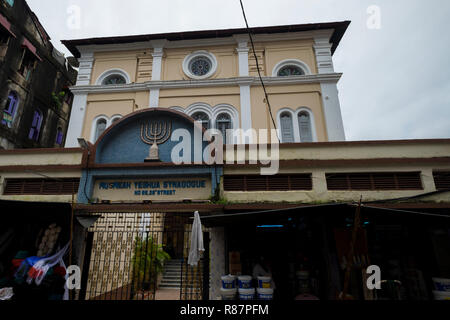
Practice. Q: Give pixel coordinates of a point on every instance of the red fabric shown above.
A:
(6, 24)
(27, 44)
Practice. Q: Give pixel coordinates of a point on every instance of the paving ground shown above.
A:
(168, 294)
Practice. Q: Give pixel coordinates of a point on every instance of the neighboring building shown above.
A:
(35, 100)
(138, 91)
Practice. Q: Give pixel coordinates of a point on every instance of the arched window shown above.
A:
(115, 119)
(114, 79)
(305, 127)
(291, 67)
(223, 123)
(287, 128)
(203, 118)
(36, 125)
(290, 70)
(100, 127)
(10, 109)
(59, 136)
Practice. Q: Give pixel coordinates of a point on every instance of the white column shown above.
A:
(85, 69)
(322, 49)
(157, 63)
(330, 98)
(246, 111)
(158, 53)
(76, 120)
(242, 50)
(245, 99)
(79, 104)
(332, 111)
(154, 98)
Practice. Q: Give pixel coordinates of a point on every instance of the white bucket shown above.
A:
(229, 282)
(264, 282)
(265, 294)
(247, 294)
(245, 282)
(441, 295)
(228, 294)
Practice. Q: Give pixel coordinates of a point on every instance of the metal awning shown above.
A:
(271, 216)
(27, 44)
(283, 215)
(7, 25)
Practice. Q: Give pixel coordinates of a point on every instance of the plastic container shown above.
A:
(228, 294)
(247, 294)
(441, 284)
(441, 295)
(264, 282)
(229, 282)
(265, 294)
(245, 282)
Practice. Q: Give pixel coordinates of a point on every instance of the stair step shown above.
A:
(172, 273)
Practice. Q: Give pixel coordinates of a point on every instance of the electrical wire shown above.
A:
(257, 67)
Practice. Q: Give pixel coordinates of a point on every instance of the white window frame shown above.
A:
(111, 72)
(213, 113)
(109, 122)
(292, 114)
(201, 53)
(291, 62)
(311, 118)
(296, 127)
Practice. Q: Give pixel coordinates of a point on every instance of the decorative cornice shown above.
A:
(207, 42)
(182, 84)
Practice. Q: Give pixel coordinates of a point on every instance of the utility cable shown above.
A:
(257, 67)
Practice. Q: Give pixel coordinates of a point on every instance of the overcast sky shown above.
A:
(396, 82)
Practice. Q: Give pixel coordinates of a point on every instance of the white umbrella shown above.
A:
(196, 241)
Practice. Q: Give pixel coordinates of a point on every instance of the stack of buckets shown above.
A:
(228, 290)
(245, 288)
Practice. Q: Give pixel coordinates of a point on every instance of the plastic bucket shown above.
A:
(247, 294)
(264, 282)
(441, 284)
(265, 294)
(228, 294)
(245, 282)
(229, 282)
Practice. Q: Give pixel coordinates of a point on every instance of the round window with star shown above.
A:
(200, 65)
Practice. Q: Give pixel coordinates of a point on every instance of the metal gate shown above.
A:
(128, 255)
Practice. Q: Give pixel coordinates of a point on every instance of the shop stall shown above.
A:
(305, 253)
(34, 250)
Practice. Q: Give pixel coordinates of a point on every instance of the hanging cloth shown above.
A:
(196, 241)
(41, 267)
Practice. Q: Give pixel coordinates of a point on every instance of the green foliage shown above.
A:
(148, 262)
(58, 98)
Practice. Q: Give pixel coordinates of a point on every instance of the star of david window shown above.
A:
(200, 66)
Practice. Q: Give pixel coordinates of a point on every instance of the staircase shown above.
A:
(171, 275)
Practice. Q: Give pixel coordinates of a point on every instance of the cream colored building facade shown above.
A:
(295, 63)
(211, 76)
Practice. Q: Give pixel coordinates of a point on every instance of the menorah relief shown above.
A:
(154, 134)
